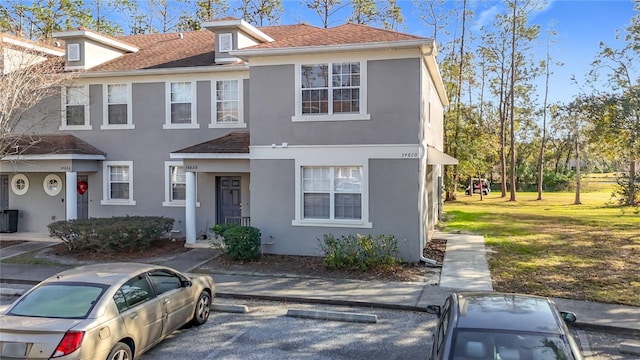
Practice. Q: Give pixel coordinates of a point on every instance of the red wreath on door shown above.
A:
(82, 187)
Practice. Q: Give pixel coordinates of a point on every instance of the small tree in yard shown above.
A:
(28, 77)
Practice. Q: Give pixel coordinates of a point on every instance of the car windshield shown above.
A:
(68, 301)
(474, 344)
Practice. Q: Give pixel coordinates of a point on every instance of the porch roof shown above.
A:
(51, 146)
(233, 145)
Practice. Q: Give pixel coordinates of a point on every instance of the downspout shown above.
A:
(422, 168)
(422, 173)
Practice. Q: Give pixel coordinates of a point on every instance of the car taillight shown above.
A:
(69, 343)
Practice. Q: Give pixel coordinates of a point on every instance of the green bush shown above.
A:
(360, 251)
(111, 234)
(242, 242)
(219, 229)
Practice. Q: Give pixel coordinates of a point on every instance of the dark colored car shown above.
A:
(500, 326)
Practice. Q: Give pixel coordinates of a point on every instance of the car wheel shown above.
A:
(203, 309)
(120, 352)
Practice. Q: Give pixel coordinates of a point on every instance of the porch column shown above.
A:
(190, 207)
(72, 195)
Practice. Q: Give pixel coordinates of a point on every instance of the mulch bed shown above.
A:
(158, 249)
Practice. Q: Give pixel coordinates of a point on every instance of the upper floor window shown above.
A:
(331, 91)
(75, 105)
(118, 183)
(226, 42)
(117, 109)
(180, 105)
(228, 104)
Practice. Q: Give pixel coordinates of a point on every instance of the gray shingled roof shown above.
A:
(232, 143)
(47, 144)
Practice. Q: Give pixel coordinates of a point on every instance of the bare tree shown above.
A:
(31, 74)
(325, 9)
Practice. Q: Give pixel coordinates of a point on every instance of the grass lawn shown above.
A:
(554, 248)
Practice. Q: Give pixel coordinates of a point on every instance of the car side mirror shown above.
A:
(568, 316)
(186, 283)
(434, 309)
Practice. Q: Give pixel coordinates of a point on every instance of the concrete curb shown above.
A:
(320, 301)
(333, 315)
(239, 309)
(605, 328)
(629, 347)
(11, 292)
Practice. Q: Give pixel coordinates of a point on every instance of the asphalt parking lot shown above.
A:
(267, 332)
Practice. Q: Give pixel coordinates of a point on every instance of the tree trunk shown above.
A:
(512, 143)
(578, 182)
(544, 126)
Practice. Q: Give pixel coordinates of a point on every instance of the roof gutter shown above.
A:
(165, 71)
(246, 53)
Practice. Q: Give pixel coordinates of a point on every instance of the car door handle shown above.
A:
(166, 301)
(133, 316)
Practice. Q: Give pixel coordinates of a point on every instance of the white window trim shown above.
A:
(105, 183)
(14, 185)
(299, 200)
(214, 116)
(45, 184)
(63, 119)
(167, 186)
(105, 109)
(362, 115)
(194, 118)
(225, 39)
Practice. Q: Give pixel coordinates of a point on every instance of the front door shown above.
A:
(83, 197)
(228, 206)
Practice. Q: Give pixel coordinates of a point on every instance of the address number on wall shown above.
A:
(409, 155)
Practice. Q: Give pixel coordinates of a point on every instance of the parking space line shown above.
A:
(584, 344)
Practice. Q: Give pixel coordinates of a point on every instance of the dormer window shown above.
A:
(73, 52)
(226, 42)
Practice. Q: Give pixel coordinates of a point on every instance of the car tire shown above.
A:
(202, 310)
(120, 351)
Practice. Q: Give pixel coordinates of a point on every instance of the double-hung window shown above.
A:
(331, 91)
(332, 193)
(75, 108)
(180, 105)
(117, 107)
(118, 183)
(227, 104)
(175, 193)
(178, 183)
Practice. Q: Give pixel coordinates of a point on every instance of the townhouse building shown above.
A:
(297, 130)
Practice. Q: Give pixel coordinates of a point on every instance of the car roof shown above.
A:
(501, 311)
(104, 273)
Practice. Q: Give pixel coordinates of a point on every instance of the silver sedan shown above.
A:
(109, 311)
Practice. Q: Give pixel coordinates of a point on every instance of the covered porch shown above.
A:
(216, 172)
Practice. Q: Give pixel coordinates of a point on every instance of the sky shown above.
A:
(580, 26)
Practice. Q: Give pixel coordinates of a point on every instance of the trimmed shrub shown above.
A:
(111, 234)
(360, 251)
(242, 242)
(219, 229)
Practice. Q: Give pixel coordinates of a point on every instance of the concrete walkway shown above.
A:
(465, 263)
(464, 268)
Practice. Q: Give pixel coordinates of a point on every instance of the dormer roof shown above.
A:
(97, 37)
(26, 44)
(240, 24)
